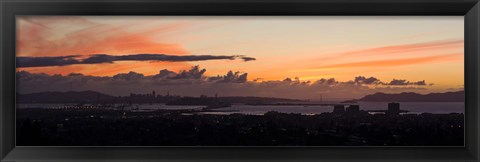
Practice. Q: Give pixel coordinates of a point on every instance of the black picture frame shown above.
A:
(467, 8)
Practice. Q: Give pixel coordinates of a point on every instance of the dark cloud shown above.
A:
(330, 81)
(403, 82)
(395, 82)
(75, 74)
(104, 58)
(129, 76)
(398, 82)
(365, 80)
(297, 81)
(287, 80)
(47, 61)
(420, 83)
(247, 58)
(194, 73)
(231, 77)
(165, 74)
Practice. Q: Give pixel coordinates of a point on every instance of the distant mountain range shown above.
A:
(415, 97)
(63, 97)
(93, 97)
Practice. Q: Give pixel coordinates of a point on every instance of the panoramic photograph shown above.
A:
(240, 81)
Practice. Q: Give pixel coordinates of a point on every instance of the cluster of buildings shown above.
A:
(148, 98)
(393, 109)
(351, 109)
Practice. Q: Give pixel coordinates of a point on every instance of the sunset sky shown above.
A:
(426, 50)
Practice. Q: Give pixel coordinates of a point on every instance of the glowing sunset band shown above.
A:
(426, 53)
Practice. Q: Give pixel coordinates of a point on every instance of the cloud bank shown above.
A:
(194, 82)
(393, 82)
(104, 58)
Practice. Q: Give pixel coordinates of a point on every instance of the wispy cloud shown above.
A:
(104, 58)
(395, 62)
(406, 48)
(60, 35)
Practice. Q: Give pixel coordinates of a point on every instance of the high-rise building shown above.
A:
(338, 109)
(353, 109)
(393, 108)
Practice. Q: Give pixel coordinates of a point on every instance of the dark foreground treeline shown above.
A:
(169, 128)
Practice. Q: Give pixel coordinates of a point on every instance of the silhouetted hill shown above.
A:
(63, 97)
(415, 97)
(95, 97)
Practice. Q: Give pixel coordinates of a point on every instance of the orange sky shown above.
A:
(411, 48)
